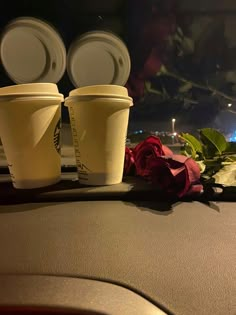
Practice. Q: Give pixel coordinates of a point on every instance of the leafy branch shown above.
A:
(191, 84)
(187, 86)
(212, 152)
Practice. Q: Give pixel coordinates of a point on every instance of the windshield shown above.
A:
(184, 53)
(182, 77)
(182, 57)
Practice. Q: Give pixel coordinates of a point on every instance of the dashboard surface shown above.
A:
(178, 256)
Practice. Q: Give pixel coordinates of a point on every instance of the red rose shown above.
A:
(129, 166)
(175, 176)
(152, 64)
(146, 151)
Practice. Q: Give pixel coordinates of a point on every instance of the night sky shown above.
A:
(72, 18)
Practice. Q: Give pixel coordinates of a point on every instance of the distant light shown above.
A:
(175, 133)
(140, 131)
(173, 119)
(233, 137)
(229, 105)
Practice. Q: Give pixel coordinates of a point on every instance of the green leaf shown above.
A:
(214, 141)
(194, 143)
(202, 166)
(230, 158)
(185, 87)
(162, 70)
(187, 151)
(231, 148)
(213, 162)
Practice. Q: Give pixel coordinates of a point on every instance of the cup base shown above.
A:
(99, 179)
(33, 184)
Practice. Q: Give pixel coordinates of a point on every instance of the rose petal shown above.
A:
(149, 148)
(155, 141)
(174, 176)
(167, 151)
(129, 162)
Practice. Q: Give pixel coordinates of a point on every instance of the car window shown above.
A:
(183, 52)
(182, 76)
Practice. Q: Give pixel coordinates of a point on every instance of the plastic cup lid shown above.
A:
(31, 90)
(98, 58)
(35, 88)
(115, 90)
(99, 92)
(32, 51)
(31, 97)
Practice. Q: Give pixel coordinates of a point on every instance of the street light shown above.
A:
(173, 130)
(173, 125)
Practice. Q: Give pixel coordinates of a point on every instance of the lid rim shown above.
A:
(31, 94)
(100, 96)
(92, 98)
(101, 90)
(11, 98)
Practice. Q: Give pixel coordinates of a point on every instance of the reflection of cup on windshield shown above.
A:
(30, 116)
(99, 120)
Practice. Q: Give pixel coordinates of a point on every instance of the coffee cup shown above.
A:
(30, 122)
(99, 117)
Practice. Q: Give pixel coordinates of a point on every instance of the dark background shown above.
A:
(72, 18)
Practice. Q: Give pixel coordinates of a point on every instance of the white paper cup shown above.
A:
(30, 122)
(99, 121)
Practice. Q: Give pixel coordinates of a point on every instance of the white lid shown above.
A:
(36, 88)
(32, 51)
(31, 90)
(98, 58)
(99, 92)
(103, 90)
